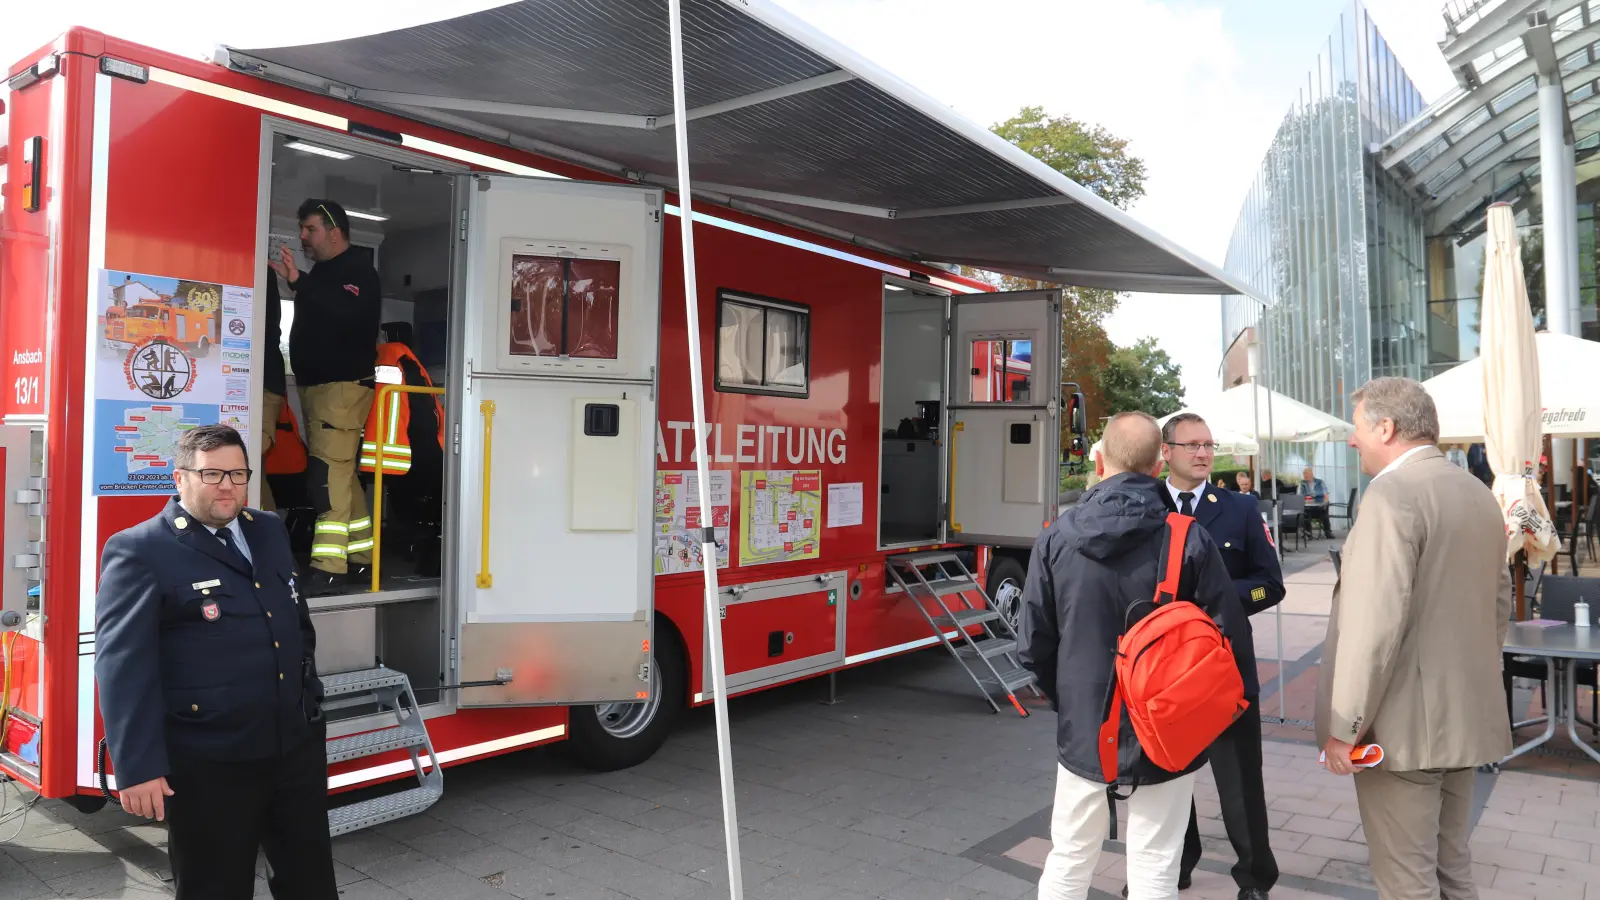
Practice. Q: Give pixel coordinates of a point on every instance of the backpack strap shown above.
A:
(1177, 539)
(1174, 539)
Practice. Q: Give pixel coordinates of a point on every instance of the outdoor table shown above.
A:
(1561, 646)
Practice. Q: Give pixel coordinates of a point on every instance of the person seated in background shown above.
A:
(1316, 494)
(1245, 485)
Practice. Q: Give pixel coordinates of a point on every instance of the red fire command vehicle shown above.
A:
(513, 199)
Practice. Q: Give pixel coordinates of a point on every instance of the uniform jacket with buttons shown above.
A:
(196, 655)
(1234, 522)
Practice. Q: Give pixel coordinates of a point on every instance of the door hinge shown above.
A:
(455, 441)
(463, 223)
(452, 654)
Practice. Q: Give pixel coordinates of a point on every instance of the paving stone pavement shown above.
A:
(908, 789)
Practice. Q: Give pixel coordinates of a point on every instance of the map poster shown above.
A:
(170, 354)
(677, 518)
(782, 513)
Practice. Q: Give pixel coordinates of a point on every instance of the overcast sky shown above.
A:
(1197, 86)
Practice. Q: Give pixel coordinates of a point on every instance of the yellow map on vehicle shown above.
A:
(781, 516)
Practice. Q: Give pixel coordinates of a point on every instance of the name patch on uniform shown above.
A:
(210, 611)
(215, 582)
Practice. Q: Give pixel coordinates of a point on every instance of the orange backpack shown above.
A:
(1176, 673)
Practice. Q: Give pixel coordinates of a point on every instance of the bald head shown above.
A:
(1132, 443)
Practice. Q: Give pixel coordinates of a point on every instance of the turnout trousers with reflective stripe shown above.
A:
(335, 416)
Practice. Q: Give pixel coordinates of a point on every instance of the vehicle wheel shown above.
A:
(1006, 576)
(613, 736)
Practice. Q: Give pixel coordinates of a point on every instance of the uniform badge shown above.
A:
(1258, 594)
(247, 516)
(181, 522)
(211, 612)
(200, 585)
(1268, 529)
(294, 592)
(1212, 497)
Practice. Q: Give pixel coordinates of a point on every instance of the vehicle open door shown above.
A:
(1005, 408)
(553, 411)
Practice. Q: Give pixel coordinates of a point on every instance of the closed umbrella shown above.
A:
(1511, 407)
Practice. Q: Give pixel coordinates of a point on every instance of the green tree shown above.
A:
(1142, 377)
(1098, 160)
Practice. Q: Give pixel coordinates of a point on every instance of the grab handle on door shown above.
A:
(486, 408)
(955, 438)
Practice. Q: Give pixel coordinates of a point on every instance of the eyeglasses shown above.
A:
(214, 476)
(1196, 448)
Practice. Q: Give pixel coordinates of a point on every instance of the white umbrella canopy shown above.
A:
(1235, 411)
(1509, 385)
(1567, 398)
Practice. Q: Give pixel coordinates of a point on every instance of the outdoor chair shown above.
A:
(1292, 513)
(1349, 510)
(1558, 594)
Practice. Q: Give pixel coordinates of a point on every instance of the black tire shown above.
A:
(592, 744)
(86, 804)
(1006, 577)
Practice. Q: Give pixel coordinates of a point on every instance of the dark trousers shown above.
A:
(221, 812)
(1236, 765)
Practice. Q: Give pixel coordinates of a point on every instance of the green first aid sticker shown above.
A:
(833, 597)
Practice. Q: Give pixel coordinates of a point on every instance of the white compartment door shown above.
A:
(561, 315)
(1005, 407)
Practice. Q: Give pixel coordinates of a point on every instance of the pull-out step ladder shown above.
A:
(990, 656)
(390, 690)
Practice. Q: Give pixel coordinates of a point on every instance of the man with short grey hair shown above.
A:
(1414, 646)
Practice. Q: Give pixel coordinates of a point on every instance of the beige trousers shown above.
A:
(336, 414)
(1417, 824)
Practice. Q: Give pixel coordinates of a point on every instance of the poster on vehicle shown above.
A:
(782, 516)
(170, 354)
(677, 520)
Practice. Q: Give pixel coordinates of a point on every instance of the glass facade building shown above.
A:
(1335, 242)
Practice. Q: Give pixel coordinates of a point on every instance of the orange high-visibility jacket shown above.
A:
(394, 411)
(288, 453)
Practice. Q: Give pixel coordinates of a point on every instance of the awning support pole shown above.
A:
(708, 545)
(1277, 526)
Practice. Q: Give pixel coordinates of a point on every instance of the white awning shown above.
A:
(1569, 401)
(1239, 409)
(788, 124)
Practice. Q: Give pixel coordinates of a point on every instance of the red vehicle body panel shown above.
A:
(180, 194)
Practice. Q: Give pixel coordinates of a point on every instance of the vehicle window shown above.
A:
(763, 346)
(1002, 371)
(561, 306)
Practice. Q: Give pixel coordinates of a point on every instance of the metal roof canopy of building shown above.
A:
(787, 124)
(1479, 144)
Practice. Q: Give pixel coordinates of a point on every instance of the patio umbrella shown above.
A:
(1511, 408)
(1234, 410)
(1571, 405)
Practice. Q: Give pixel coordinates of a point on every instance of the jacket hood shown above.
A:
(1123, 512)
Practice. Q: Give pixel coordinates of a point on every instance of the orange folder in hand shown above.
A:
(1362, 756)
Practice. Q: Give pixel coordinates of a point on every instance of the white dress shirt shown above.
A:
(1198, 491)
(1400, 460)
(233, 526)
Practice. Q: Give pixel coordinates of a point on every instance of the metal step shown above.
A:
(372, 743)
(361, 681)
(964, 617)
(367, 813)
(947, 587)
(1011, 677)
(920, 560)
(988, 649)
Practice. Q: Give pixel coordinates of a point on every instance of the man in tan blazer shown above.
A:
(1412, 657)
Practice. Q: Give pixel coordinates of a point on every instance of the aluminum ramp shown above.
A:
(952, 602)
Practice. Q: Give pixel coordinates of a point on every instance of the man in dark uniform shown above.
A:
(333, 345)
(1234, 522)
(208, 689)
